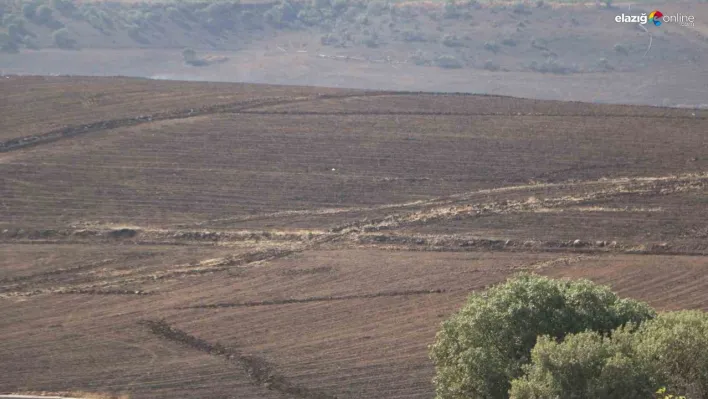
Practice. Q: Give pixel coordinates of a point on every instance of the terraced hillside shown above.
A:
(239, 241)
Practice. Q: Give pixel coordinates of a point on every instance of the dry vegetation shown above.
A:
(292, 242)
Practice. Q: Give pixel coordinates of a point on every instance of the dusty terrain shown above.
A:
(167, 239)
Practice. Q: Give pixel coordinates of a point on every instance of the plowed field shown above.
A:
(164, 239)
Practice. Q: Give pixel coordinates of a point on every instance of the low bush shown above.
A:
(7, 44)
(452, 41)
(491, 65)
(413, 36)
(61, 39)
(376, 8)
(44, 15)
(448, 61)
(491, 46)
(451, 10)
(419, 58)
(281, 15)
(310, 16)
(551, 65)
(64, 7)
(509, 42)
(29, 10)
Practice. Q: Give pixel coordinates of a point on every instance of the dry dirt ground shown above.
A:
(244, 241)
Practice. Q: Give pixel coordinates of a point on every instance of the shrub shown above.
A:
(676, 343)
(413, 36)
(485, 345)
(491, 46)
(29, 10)
(509, 42)
(604, 65)
(491, 65)
(450, 10)
(190, 58)
(7, 44)
(419, 58)
(31, 43)
(310, 16)
(61, 39)
(362, 20)
(44, 15)
(174, 14)
(669, 352)
(371, 41)
(329, 40)
(281, 15)
(448, 61)
(340, 6)
(585, 365)
(321, 4)
(189, 55)
(452, 41)
(15, 32)
(376, 8)
(8, 19)
(520, 8)
(550, 65)
(65, 7)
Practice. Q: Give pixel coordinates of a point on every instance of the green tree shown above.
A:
(29, 10)
(585, 365)
(676, 344)
(189, 55)
(65, 7)
(62, 40)
(44, 15)
(7, 44)
(485, 345)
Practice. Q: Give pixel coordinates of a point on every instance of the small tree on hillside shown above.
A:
(7, 44)
(62, 40)
(44, 15)
(189, 55)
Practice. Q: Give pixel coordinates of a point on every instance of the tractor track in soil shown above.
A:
(444, 113)
(98, 126)
(380, 234)
(314, 299)
(259, 370)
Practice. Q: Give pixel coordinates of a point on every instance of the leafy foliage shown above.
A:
(281, 15)
(676, 343)
(484, 346)
(62, 40)
(65, 7)
(7, 44)
(448, 61)
(585, 365)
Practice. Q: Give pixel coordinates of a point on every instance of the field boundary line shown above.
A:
(18, 143)
(449, 113)
(260, 371)
(314, 299)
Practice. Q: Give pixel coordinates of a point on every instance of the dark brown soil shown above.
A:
(293, 242)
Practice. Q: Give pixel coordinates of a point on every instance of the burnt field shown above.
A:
(197, 240)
